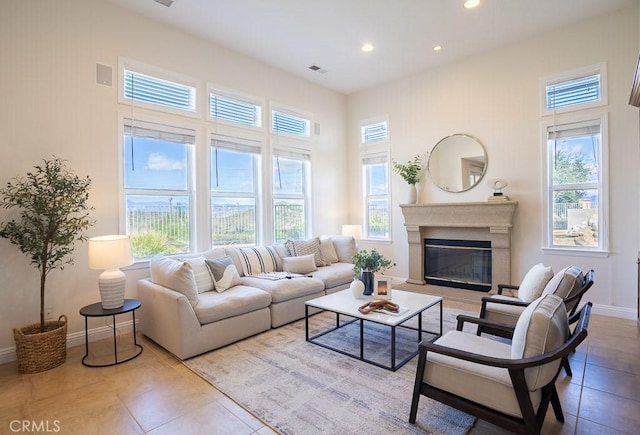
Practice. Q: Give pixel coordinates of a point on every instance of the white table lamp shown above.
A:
(354, 231)
(110, 253)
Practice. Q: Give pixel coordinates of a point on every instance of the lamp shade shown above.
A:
(110, 252)
(354, 231)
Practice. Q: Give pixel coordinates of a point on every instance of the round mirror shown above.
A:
(457, 163)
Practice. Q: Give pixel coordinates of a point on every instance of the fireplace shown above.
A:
(458, 263)
(470, 221)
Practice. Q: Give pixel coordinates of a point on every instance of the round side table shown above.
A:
(96, 310)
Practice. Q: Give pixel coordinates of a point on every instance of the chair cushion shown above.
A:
(564, 282)
(490, 386)
(302, 264)
(503, 313)
(224, 273)
(541, 328)
(175, 275)
(534, 282)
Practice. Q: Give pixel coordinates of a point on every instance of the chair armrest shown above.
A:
(509, 286)
(514, 302)
(506, 328)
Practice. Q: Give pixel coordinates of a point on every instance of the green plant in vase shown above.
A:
(366, 264)
(410, 172)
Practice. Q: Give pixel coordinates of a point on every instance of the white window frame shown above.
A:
(258, 151)
(599, 68)
(602, 186)
(379, 154)
(171, 126)
(278, 148)
(275, 107)
(366, 123)
(239, 96)
(149, 70)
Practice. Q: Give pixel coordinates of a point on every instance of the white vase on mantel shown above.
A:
(413, 194)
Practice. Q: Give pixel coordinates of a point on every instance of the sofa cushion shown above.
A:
(328, 250)
(224, 273)
(534, 282)
(175, 275)
(335, 275)
(564, 282)
(302, 264)
(214, 306)
(305, 247)
(285, 289)
(541, 328)
(259, 259)
(201, 273)
(345, 248)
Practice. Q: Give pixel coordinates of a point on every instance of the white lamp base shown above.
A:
(112, 285)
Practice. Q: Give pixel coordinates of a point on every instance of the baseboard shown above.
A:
(77, 338)
(608, 310)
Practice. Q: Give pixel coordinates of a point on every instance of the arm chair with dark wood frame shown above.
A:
(570, 284)
(509, 385)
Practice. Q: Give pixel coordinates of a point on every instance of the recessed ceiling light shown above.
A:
(471, 3)
(367, 47)
(437, 48)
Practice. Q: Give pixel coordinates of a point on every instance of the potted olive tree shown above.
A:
(52, 213)
(410, 172)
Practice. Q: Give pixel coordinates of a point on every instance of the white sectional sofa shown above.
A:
(188, 309)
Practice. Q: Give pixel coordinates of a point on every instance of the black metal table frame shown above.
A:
(393, 366)
(130, 305)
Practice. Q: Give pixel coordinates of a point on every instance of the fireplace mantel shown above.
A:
(461, 220)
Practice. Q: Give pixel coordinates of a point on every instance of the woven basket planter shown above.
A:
(39, 351)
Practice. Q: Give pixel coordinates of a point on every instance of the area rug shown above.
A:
(300, 388)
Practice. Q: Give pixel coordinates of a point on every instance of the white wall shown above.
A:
(495, 97)
(51, 105)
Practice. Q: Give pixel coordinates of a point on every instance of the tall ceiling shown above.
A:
(293, 35)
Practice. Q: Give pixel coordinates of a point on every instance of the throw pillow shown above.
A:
(224, 273)
(201, 273)
(258, 260)
(176, 275)
(301, 264)
(534, 282)
(328, 251)
(305, 247)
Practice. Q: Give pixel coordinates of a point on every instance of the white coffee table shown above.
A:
(343, 303)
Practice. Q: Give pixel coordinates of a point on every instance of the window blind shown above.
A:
(374, 132)
(153, 90)
(286, 123)
(573, 92)
(234, 110)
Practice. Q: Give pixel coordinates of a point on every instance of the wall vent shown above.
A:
(317, 69)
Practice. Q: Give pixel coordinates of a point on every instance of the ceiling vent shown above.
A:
(317, 69)
(166, 3)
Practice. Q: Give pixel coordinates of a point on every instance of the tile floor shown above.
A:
(156, 394)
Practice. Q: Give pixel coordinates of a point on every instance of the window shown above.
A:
(289, 123)
(158, 180)
(235, 110)
(375, 170)
(156, 89)
(575, 90)
(291, 174)
(234, 191)
(374, 131)
(575, 173)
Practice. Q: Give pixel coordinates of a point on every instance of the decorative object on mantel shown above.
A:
(497, 184)
(366, 264)
(53, 214)
(410, 172)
